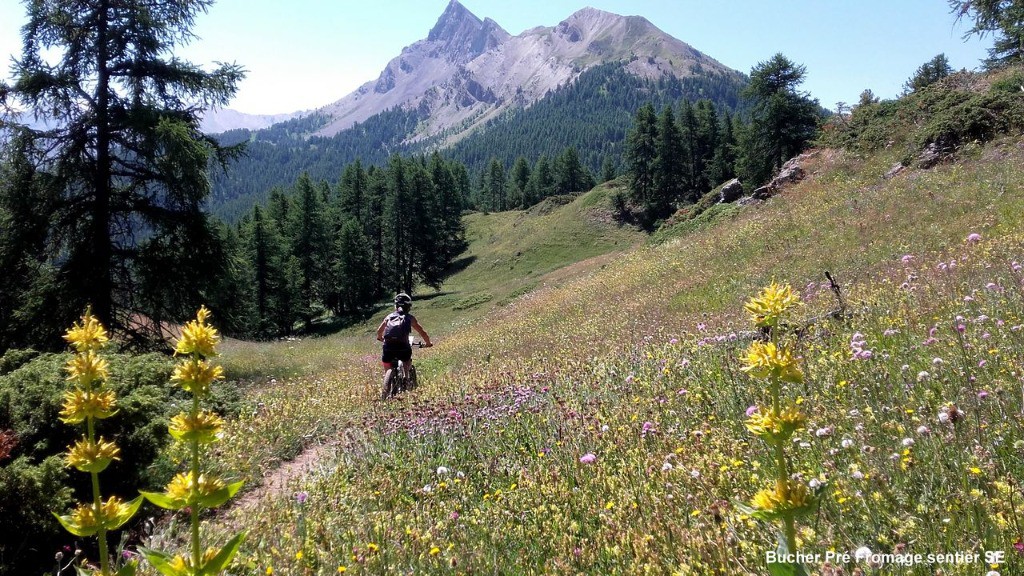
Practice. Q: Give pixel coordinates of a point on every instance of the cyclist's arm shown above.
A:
(423, 333)
(380, 331)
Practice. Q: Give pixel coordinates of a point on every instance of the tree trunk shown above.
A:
(101, 291)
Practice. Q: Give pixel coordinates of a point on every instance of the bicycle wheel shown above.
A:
(390, 384)
(413, 383)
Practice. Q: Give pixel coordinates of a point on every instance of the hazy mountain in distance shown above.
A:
(220, 120)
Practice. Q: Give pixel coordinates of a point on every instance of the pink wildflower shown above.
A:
(588, 458)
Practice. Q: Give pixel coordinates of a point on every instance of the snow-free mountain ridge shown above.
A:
(468, 70)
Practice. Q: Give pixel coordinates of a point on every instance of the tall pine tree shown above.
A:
(125, 155)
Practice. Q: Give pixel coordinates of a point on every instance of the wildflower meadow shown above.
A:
(675, 412)
(708, 405)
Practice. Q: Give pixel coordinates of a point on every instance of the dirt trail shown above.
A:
(276, 482)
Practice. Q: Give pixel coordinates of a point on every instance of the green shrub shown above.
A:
(36, 483)
(28, 492)
(15, 358)
(954, 111)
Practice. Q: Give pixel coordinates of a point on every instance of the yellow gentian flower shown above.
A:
(197, 337)
(787, 497)
(195, 376)
(87, 367)
(84, 521)
(186, 492)
(766, 360)
(204, 427)
(775, 429)
(81, 404)
(92, 456)
(771, 304)
(87, 336)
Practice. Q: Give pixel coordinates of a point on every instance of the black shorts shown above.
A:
(393, 354)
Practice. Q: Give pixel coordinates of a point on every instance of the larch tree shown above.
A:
(122, 155)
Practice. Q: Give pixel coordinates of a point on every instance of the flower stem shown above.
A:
(197, 553)
(97, 503)
(790, 523)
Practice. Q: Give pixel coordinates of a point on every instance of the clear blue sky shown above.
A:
(302, 54)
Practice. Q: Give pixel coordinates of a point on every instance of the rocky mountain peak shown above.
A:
(463, 34)
(592, 23)
(468, 71)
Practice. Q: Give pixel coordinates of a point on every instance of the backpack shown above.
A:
(397, 327)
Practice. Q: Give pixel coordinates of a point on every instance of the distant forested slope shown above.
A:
(592, 114)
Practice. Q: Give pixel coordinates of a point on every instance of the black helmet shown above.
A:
(402, 300)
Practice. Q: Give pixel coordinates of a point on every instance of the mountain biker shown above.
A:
(394, 332)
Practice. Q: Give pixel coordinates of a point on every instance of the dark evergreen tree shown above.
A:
(669, 166)
(1002, 18)
(125, 157)
(352, 271)
(706, 145)
(397, 227)
(374, 224)
(231, 297)
(30, 305)
(928, 73)
(352, 190)
(279, 209)
(723, 164)
(448, 180)
(518, 182)
(542, 181)
(571, 177)
(641, 153)
(265, 254)
(607, 169)
(310, 246)
(782, 120)
(495, 186)
(691, 148)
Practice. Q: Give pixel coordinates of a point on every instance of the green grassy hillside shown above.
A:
(633, 356)
(586, 408)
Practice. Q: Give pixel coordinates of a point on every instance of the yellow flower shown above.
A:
(186, 492)
(84, 518)
(205, 427)
(86, 368)
(195, 376)
(182, 565)
(112, 514)
(766, 360)
(771, 304)
(197, 337)
(87, 336)
(92, 456)
(774, 428)
(435, 551)
(788, 497)
(81, 404)
(372, 547)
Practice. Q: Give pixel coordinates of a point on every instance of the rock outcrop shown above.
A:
(791, 172)
(731, 191)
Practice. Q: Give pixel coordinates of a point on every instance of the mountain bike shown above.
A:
(395, 380)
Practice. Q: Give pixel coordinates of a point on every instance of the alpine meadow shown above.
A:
(682, 319)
